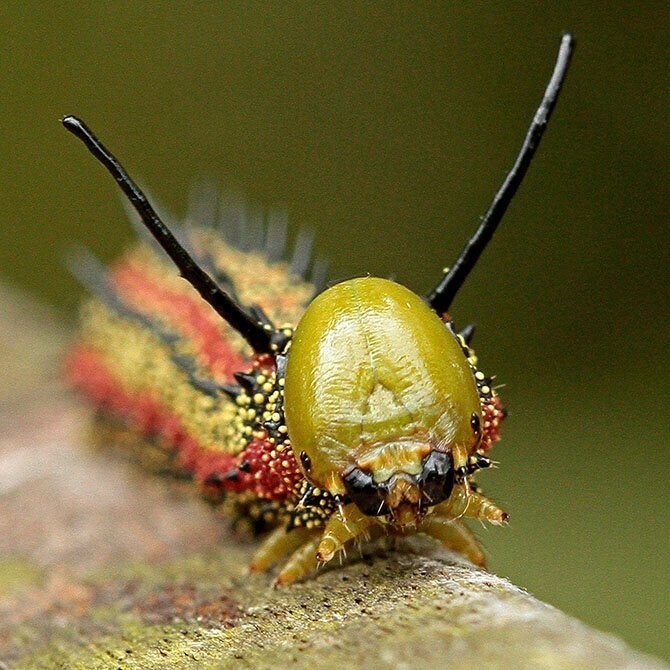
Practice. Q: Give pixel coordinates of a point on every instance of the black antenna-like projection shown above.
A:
(441, 298)
(253, 332)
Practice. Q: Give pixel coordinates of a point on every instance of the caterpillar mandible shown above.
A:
(327, 414)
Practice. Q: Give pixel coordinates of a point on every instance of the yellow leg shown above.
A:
(345, 526)
(322, 548)
(480, 507)
(278, 545)
(455, 505)
(454, 534)
(464, 502)
(302, 563)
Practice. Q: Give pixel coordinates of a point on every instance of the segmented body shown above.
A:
(154, 355)
(390, 416)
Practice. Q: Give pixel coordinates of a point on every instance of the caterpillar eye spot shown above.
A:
(475, 423)
(306, 461)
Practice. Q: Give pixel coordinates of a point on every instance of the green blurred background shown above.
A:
(386, 128)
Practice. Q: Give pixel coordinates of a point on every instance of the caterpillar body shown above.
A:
(329, 415)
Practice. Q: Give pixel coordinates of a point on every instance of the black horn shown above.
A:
(442, 296)
(260, 338)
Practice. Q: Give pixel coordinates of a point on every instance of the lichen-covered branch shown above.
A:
(102, 566)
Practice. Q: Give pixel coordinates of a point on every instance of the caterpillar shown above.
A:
(327, 414)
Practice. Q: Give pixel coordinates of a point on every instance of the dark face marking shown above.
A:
(437, 477)
(366, 493)
(435, 481)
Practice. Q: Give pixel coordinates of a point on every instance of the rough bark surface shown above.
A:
(102, 566)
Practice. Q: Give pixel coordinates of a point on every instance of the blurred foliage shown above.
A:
(386, 127)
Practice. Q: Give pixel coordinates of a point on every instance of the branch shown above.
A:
(104, 567)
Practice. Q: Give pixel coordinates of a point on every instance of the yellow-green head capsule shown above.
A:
(380, 396)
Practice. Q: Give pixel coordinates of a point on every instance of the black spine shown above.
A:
(442, 296)
(253, 332)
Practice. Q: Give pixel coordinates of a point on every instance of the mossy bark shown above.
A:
(102, 566)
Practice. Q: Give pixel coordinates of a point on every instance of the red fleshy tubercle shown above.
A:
(275, 473)
(493, 414)
(270, 474)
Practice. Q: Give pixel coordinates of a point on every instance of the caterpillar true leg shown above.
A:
(482, 508)
(302, 563)
(341, 528)
(454, 534)
(278, 545)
